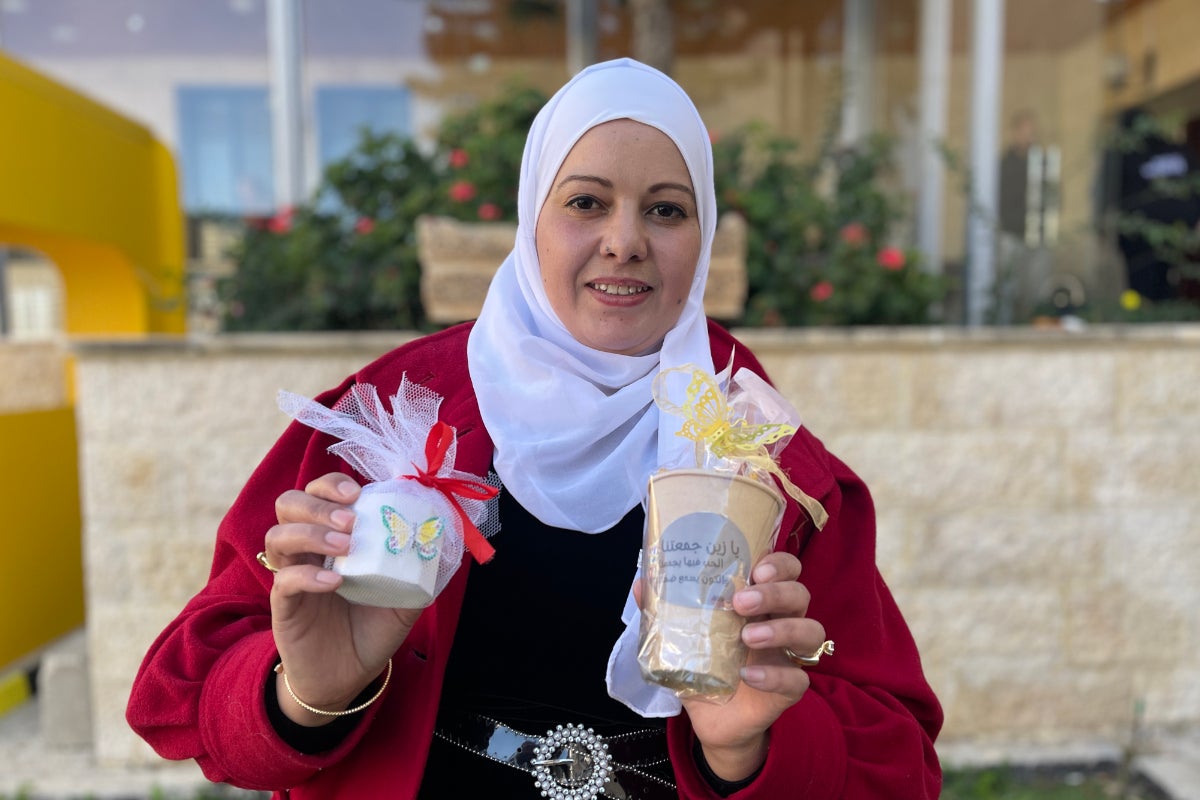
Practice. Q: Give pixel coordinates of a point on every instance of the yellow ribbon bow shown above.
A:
(709, 422)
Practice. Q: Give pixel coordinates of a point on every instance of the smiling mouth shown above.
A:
(618, 290)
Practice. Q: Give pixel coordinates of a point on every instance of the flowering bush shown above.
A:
(348, 259)
(821, 248)
(483, 149)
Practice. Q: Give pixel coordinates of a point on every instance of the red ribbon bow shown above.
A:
(440, 437)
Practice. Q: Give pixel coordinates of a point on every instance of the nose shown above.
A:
(625, 237)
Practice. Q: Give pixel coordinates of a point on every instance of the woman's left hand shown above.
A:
(734, 734)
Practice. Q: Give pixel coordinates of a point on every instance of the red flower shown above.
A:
(821, 292)
(364, 226)
(489, 212)
(459, 158)
(854, 234)
(891, 258)
(462, 191)
(282, 221)
(713, 137)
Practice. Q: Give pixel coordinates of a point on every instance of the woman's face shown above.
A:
(618, 238)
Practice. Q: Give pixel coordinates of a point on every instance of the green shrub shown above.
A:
(348, 259)
(821, 248)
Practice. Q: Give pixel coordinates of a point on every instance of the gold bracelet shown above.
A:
(287, 685)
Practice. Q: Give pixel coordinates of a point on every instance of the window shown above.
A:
(225, 149)
(343, 111)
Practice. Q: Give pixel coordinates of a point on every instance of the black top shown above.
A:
(538, 623)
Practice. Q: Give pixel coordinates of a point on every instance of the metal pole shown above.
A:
(934, 88)
(858, 61)
(987, 67)
(285, 44)
(582, 34)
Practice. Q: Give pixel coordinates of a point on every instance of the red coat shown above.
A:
(863, 731)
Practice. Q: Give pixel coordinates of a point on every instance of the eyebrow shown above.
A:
(606, 183)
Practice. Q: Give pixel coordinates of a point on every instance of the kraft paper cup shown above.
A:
(394, 556)
(704, 533)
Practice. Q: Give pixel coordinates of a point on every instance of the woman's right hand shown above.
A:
(331, 649)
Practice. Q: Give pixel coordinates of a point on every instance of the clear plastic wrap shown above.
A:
(708, 522)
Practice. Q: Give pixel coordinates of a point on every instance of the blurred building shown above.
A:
(254, 97)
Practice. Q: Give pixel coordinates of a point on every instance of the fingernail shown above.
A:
(764, 573)
(755, 634)
(338, 540)
(749, 600)
(347, 488)
(328, 576)
(753, 675)
(342, 518)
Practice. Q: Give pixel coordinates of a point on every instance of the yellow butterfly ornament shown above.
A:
(709, 421)
(400, 534)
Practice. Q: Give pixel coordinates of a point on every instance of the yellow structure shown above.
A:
(41, 576)
(96, 194)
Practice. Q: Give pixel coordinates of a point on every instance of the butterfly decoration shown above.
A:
(707, 420)
(401, 535)
(720, 430)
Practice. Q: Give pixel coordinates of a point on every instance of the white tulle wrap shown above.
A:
(418, 514)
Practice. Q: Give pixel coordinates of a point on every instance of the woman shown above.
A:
(551, 388)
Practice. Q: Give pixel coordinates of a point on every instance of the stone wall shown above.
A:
(32, 376)
(1038, 496)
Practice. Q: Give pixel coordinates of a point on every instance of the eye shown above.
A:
(667, 211)
(583, 202)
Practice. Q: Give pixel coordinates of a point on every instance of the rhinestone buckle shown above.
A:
(571, 763)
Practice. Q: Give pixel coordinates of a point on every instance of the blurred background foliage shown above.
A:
(821, 229)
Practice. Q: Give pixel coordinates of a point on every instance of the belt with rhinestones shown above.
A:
(570, 762)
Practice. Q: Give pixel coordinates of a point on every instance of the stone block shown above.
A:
(190, 560)
(118, 638)
(458, 260)
(1154, 548)
(727, 285)
(1017, 547)
(988, 389)
(846, 392)
(1114, 469)
(214, 476)
(1096, 628)
(955, 624)
(944, 471)
(1159, 390)
(1171, 694)
(1031, 700)
(35, 376)
(64, 696)
(135, 479)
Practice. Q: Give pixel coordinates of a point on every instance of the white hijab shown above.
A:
(576, 430)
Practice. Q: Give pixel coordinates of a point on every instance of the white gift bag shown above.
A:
(412, 522)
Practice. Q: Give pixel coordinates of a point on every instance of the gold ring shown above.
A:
(262, 559)
(826, 649)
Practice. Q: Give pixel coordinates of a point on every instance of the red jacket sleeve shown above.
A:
(199, 692)
(866, 727)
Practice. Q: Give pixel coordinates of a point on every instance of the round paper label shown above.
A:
(702, 559)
